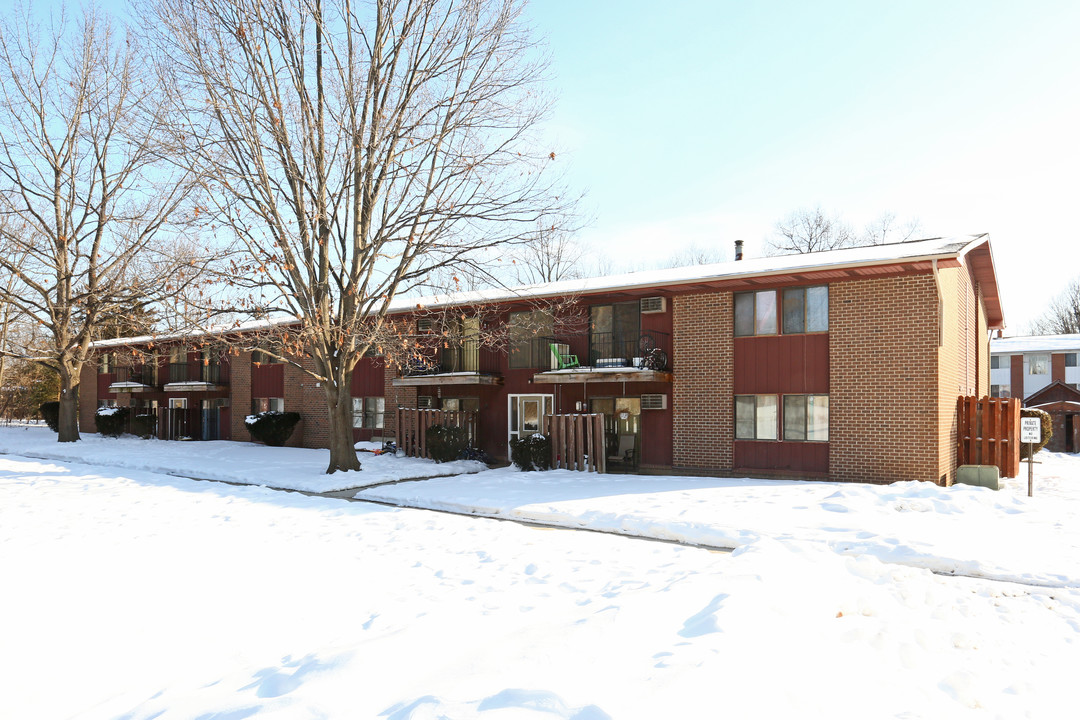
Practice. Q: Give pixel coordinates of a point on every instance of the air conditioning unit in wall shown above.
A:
(654, 401)
(424, 325)
(653, 305)
(425, 401)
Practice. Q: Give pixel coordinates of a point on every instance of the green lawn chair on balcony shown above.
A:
(560, 353)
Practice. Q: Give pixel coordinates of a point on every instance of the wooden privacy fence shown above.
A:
(989, 433)
(577, 441)
(413, 423)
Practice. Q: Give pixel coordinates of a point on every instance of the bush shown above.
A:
(111, 421)
(50, 413)
(471, 453)
(144, 426)
(1047, 430)
(272, 428)
(532, 452)
(446, 442)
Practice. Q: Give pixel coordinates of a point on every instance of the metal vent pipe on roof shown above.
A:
(738, 249)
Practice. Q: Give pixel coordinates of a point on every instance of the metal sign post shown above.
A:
(1031, 433)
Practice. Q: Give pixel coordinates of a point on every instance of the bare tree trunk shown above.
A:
(69, 408)
(342, 452)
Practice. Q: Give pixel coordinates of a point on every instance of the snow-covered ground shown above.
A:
(242, 462)
(132, 594)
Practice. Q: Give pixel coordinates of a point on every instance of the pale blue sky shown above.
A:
(705, 121)
(708, 121)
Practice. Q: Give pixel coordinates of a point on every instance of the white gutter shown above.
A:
(940, 305)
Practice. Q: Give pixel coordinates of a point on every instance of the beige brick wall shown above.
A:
(883, 384)
(239, 395)
(702, 365)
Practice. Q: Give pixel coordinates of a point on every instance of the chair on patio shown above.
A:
(564, 359)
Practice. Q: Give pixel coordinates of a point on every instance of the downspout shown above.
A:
(940, 305)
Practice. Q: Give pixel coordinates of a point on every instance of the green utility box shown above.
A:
(981, 475)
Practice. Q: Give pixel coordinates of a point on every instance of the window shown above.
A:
(105, 363)
(368, 412)
(1038, 364)
(106, 404)
(804, 309)
(806, 417)
(529, 337)
(260, 357)
(461, 404)
(1070, 359)
(999, 362)
(259, 405)
(755, 417)
(614, 330)
(1001, 391)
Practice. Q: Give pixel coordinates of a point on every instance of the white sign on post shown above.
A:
(1030, 430)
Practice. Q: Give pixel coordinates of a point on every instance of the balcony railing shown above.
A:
(467, 356)
(197, 372)
(647, 350)
(142, 374)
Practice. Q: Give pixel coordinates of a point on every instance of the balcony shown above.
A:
(136, 378)
(465, 362)
(640, 357)
(197, 377)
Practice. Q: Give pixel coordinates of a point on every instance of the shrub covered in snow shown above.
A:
(1047, 430)
(50, 413)
(532, 452)
(272, 427)
(446, 442)
(111, 421)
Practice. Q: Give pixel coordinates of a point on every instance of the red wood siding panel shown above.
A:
(368, 378)
(1016, 372)
(104, 380)
(782, 364)
(785, 456)
(1057, 367)
(268, 381)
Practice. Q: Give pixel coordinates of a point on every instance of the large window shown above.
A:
(1070, 359)
(755, 417)
(801, 309)
(614, 330)
(996, 362)
(460, 404)
(530, 335)
(105, 363)
(806, 417)
(368, 412)
(261, 357)
(259, 405)
(1038, 364)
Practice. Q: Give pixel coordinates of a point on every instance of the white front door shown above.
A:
(526, 414)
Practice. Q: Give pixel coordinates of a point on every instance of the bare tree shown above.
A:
(354, 149)
(694, 254)
(887, 229)
(83, 193)
(806, 231)
(550, 254)
(1063, 315)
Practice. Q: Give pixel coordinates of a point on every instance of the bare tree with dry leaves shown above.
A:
(355, 150)
(85, 194)
(1062, 317)
(809, 230)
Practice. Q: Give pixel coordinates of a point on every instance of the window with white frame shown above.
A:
(368, 412)
(1001, 391)
(1039, 364)
(806, 309)
(756, 417)
(1070, 359)
(259, 405)
(790, 311)
(995, 362)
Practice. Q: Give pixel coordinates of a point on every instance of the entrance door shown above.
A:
(1070, 434)
(177, 426)
(622, 431)
(526, 415)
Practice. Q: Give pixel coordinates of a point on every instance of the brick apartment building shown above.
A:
(844, 365)
(1042, 371)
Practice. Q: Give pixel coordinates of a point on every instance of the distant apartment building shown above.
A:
(1044, 372)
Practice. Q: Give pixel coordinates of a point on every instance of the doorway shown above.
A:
(1070, 433)
(526, 415)
(622, 431)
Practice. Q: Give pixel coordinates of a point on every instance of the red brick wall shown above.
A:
(883, 385)
(240, 395)
(702, 395)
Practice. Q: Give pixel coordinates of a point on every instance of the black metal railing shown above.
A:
(142, 374)
(646, 350)
(463, 356)
(213, 373)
